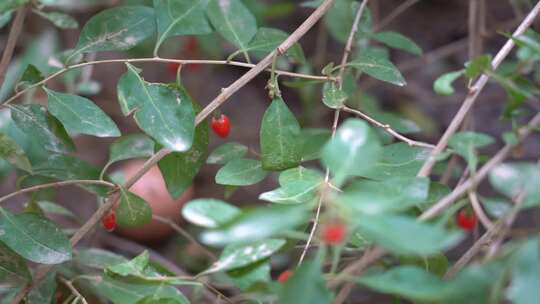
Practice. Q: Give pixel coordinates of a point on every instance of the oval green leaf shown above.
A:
(241, 172)
(209, 212)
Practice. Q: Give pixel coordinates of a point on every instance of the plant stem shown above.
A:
(14, 33)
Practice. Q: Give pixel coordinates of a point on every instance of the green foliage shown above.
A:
(241, 172)
(443, 84)
(514, 179)
(209, 213)
(466, 143)
(60, 20)
(398, 41)
(133, 211)
(333, 97)
(377, 66)
(226, 152)
(10, 151)
(309, 280)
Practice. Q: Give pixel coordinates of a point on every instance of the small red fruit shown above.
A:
(109, 221)
(172, 67)
(191, 45)
(465, 220)
(284, 276)
(334, 233)
(221, 125)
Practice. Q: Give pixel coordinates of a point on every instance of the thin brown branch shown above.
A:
(474, 92)
(186, 235)
(218, 101)
(389, 129)
(477, 207)
(14, 33)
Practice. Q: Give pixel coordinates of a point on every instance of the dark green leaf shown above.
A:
(34, 237)
(180, 17)
(80, 115)
(60, 20)
(135, 266)
(241, 172)
(11, 152)
(406, 236)
(477, 66)
(7, 5)
(398, 41)
(30, 76)
(397, 159)
(227, 152)
(333, 97)
(163, 112)
(233, 21)
(340, 18)
(257, 224)
(514, 178)
(133, 211)
(306, 286)
(116, 29)
(377, 66)
(209, 212)
(39, 125)
(13, 268)
(246, 277)
(281, 146)
(131, 146)
(97, 258)
(293, 192)
(443, 84)
(268, 39)
(353, 150)
(240, 255)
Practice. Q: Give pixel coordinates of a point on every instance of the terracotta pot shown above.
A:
(151, 187)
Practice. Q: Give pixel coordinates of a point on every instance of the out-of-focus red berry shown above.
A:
(465, 220)
(172, 67)
(109, 221)
(284, 276)
(221, 125)
(334, 233)
(191, 45)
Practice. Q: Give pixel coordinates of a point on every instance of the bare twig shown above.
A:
(388, 129)
(218, 101)
(185, 234)
(57, 184)
(73, 290)
(477, 207)
(14, 33)
(474, 92)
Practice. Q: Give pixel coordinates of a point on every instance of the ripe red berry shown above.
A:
(465, 220)
(109, 221)
(284, 276)
(221, 125)
(172, 67)
(334, 233)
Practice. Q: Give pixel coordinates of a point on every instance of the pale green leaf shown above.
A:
(241, 172)
(443, 84)
(226, 152)
(208, 212)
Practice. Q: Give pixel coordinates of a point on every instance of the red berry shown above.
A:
(334, 233)
(191, 45)
(109, 221)
(284, 276)
(221, 125)
(172, 67)
(465, 220)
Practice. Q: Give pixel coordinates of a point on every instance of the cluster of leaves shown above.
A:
(372, 186)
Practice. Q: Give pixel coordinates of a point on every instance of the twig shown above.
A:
(73, 290)
(388, 129)
(160, 60)
(218, 101)
(185, 234)
(14, 33)
(474, 92)
(477, 207)
(56, 184)
(346, 53)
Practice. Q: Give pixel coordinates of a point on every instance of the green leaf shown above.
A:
(377, 66)
(5, 18)
(306, 286)
(496, 207)
(443, 84)
(294, 192)
(180, 168)
(53, 208)
(353, 150)
(30, 76)
(226, 152)
(180, 17)
(164, 112)
(257, 224)
(97, 258)
(153, 300)
(44, 292)
(477, 66)
(7, 5)
(313, 140)
(135, 267)
(40, 126)
(340, 18)
(528, 40)
(252, 275)
(241, 172)
(333, 97)
(13, 268)
(80, 115)
(133, 211)
(268, 39)
(11, 152)
(116, 29)
(34, 237)
(397, 159)
(233, 21)
(60, 20)
(209, 212)
(511, 179)
(436, 264)
(131, 146)
(525, 280)
(281, 146)
(398, 41)
(239, 255)
(300, 174)
(406, 236)
(391, 195)
(466, 144)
